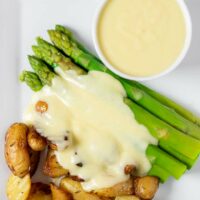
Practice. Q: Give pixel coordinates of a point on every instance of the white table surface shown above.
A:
(22, 20)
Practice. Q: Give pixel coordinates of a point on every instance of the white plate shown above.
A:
(21, 21)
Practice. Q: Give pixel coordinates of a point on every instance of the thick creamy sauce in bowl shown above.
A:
(141, 38)
(96, 133)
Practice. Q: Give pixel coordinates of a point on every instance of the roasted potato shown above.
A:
(146, 187)
(123, 188)
(40, 191)
(35, 140)
(76, 190)
(51, 166)
(128, 197)
(129, 169)
(18, 188)
(16, 149)
(52, 146)
(34, 160)
(59, 194)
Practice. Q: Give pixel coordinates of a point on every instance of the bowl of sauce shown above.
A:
(142, 39)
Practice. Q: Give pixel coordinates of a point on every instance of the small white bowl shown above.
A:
(169, 69)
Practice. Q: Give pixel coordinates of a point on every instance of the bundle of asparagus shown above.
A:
(165, 120)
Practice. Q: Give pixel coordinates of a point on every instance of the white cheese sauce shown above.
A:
(95, 130)
(141, 37)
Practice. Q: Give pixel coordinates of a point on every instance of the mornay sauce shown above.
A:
(141, 37)
(96, 133)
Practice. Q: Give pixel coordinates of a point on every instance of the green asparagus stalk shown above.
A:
(161, 111)
(42, 70)
(70, 35)
(182, 146)
(54, 58)
(154, 153)
(32, 80)
(168, 102)
(63, 42)
(159, 172)
(162, 160)
(189, 162)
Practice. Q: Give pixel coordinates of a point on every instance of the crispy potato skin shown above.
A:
(128, 197)
(34, 160)
(123, 188)
(40, 191)
(146, 187)
(77, 191)
(51, 166)
(18, 188)
(129, 169)
(59, 194)
(53, 146)
(35, 140)
(16, 149)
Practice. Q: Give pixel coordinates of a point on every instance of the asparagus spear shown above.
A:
(179, 153)
(162, 161)
(154, 156)
(54, 58)
(161, 111)
(70, 35)
(168, 102)
(163, 175)
(42, 70)
(169, 137)
(32, 80)
(63, 42)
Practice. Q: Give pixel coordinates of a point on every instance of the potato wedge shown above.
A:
(59, 194)
(76, 190)
(40, 191)
(123, 188)
(16, 149)
(18, 188)
(146, 187)
(35, 140)
(128, 197)
(51, 166)
(34, 160)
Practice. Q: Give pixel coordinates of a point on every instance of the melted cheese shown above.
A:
(141, 37)
(103, 135)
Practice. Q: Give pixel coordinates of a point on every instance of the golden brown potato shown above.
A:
(53, 146)
(40, 191)
(18, 188)
(51, 166)
(35, 140)
(41, 106)
(129, 169)
(123, 188)
(76, 190)
(76, 178)
(16, 149)
(59, 194)
(34, 160)
(146, 187)
(128, 197)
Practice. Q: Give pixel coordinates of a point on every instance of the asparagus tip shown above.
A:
(50, 31)
(22, 76)
(64, 30)
(34, 60)
(38, 38)
(34, 48)
(40, 41)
